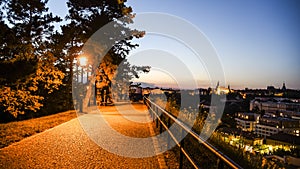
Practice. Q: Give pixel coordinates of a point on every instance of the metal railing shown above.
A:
(157, 113)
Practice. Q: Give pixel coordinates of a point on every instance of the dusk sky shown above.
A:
(258, 42)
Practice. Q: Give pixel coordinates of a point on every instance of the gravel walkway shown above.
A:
(68, 146)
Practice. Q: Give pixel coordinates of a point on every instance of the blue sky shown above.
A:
(258, 41)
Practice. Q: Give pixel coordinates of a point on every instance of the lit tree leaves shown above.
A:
(17, 102)
(92, 15)
(27, 70)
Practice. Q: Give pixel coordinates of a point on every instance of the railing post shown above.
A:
(150, 109)
(157, 122)
(181, 147)
(153, 117)
(220, 164)
(160, 127)
(154, 114)
(169, 137)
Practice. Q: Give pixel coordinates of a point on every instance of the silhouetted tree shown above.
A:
(27, 67)
(87, 17)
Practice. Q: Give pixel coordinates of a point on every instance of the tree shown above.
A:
(28, 73)
(87, 17)
(66, 45)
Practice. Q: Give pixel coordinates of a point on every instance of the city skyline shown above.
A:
(257, 42)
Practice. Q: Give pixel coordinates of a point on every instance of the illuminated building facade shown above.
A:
(268, 126)
(246, 121)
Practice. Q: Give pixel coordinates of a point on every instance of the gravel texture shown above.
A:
(68, 146)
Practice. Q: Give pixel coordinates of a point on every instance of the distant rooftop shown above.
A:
(292, 139)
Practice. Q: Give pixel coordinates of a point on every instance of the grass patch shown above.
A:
(16, 131)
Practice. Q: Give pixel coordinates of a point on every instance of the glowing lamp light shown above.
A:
(83, 61)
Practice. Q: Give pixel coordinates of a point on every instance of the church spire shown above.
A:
(218, 84)
(283, 87)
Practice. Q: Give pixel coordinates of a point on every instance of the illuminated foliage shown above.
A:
(36, 62)
(17, 102)
(87, 17)
(28, 73)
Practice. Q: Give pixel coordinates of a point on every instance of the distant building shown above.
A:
(235, 136)
(283, 139)
(246, 121)
(265, 130)
(271, 90)
(203, 91)
(157, 92)
(268, 126)
(283, 87)
(277, 107)
(219, 90)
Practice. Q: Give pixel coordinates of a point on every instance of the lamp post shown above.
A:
(82, 62)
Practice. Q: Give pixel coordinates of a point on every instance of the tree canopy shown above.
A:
(37, 62)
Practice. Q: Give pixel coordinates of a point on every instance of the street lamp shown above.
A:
(83, 61)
